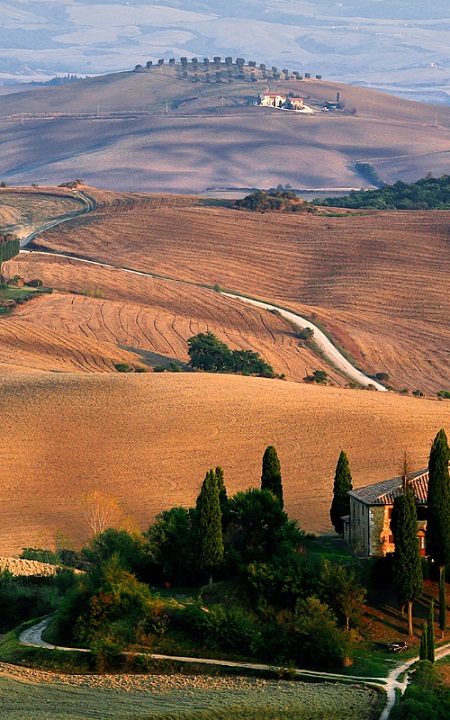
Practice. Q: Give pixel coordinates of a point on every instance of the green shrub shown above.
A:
(123, 367)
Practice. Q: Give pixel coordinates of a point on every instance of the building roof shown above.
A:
(384, 493)
(273, 95)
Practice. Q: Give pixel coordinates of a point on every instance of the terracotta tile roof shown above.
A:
(383, 493)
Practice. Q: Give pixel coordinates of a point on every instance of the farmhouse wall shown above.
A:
(359, 526)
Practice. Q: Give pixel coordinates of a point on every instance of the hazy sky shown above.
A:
(396, 43)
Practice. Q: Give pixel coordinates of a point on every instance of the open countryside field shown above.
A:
(148, 441)
(74, 330)
(27, 694)
(125, 138)
(378, 282)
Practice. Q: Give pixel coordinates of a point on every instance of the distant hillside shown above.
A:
(154, 129)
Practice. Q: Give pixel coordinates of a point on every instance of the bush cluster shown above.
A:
(210, 354)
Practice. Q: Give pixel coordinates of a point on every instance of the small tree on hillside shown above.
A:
(271, 474)
(438, 525)
(408, 579)
(340, 505)
(209, 519)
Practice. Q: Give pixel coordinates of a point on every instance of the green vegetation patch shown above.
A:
(429, 193)
(273, 200)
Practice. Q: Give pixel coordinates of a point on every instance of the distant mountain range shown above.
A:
(393, 45)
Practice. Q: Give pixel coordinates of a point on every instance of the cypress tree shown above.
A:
(442, 606)
(430, 634)
(342, 484)
(223, 497)
(438, 525)
(209, 524)
(407, 568)
(271, 474)
(423, 653)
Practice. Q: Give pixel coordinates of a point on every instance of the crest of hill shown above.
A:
(118, 131)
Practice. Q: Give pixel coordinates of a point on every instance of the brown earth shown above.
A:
(148, 440)
(377, 282)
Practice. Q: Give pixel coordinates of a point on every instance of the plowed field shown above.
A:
(378, 282)
(148, 441)
(72, 331)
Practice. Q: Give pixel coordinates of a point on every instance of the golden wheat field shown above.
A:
(148, 440)
(378, 282)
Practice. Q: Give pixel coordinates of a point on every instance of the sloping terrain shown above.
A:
(100, 316)
(154, 130)
(378, 282)
(148, 441)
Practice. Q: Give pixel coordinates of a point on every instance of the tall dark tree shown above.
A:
(423, 652)
(438, 525)
(442, 606)
(340, 505)
(271, 473)
(407, 568)
(223, 497)
(209, 523)
(430, 634)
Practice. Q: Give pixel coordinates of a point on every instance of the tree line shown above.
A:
(208, 353)
(429, 193)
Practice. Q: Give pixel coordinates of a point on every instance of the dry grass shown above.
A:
(148, 440)
(378, 282)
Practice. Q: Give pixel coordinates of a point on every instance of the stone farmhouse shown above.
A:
(285, 102)
(367, 527)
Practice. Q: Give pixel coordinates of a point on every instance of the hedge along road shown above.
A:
(331, 352)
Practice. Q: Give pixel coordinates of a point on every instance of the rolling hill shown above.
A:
(154, 130)
(377, 282)
(148, 441)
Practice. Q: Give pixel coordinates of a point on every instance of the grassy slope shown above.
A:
(234, 146)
